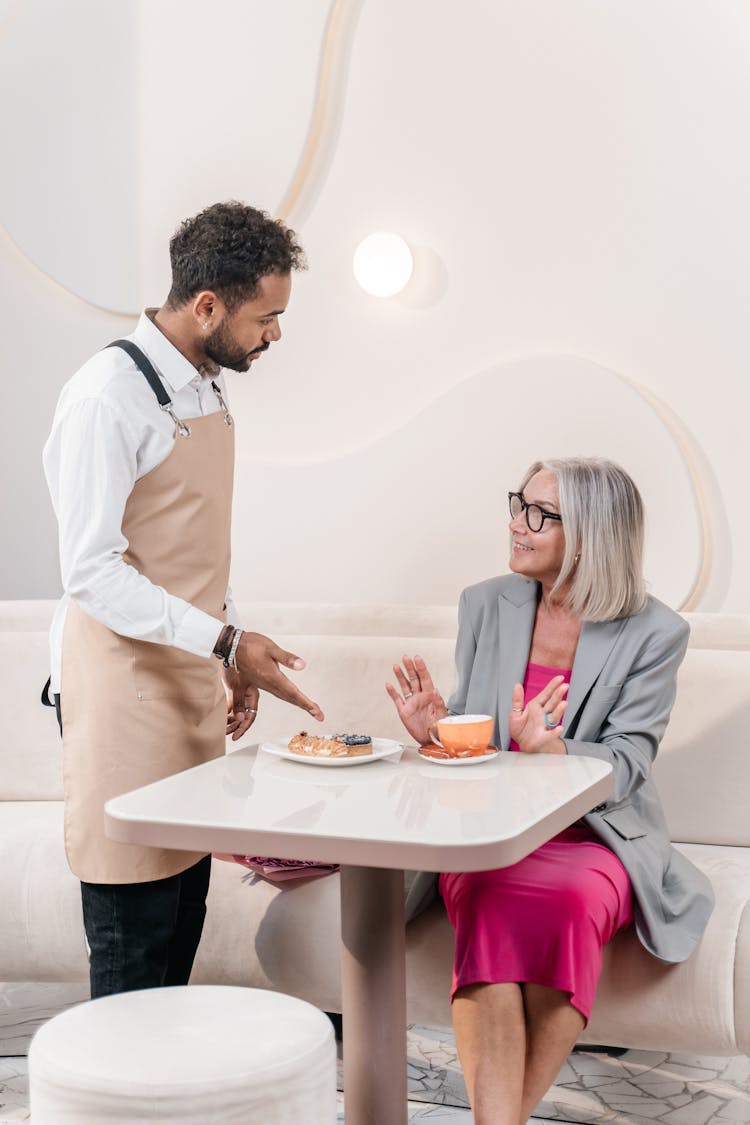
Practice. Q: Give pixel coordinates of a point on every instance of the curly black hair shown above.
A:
(228, 248)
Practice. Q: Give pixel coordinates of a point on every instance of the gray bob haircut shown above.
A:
(603, 520)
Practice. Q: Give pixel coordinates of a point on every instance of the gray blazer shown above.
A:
(622, 689)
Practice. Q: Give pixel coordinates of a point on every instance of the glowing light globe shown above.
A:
(383, 264)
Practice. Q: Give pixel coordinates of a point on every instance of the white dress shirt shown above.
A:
(107, 433)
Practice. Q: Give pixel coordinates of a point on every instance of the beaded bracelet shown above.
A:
(224, 643)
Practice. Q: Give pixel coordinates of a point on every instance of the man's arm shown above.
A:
(91, 467)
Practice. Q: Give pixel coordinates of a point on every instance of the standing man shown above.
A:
(139, 465)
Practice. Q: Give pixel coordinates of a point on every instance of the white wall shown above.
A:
(573, 179)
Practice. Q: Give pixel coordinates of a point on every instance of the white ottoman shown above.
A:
(205, 1053)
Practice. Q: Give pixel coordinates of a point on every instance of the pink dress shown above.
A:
(545, 919)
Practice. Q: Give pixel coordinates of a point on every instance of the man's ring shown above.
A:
(251, 710)
(550, 725)
(408, 694)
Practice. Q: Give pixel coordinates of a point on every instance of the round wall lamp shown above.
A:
(383, 264)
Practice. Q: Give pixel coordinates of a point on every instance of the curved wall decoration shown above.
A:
(420, 509)
(714, 567)
(91, 123)
(347, 162)
(330, 95)
(9, 9)
(307, 179)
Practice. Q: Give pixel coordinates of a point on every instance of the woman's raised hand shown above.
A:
(418, 702)
(537, 726)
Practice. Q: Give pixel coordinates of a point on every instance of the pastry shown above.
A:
(331, 746)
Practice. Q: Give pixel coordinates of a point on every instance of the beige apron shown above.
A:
(134, 712)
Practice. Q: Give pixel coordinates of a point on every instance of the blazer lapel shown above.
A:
(516, 613)
(594, 646)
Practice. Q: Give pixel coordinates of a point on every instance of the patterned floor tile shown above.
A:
(593, 1088)
(14, 1091)
(25, 1007)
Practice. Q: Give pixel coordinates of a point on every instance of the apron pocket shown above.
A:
(164, 672)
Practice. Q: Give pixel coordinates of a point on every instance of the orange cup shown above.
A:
(458, 734)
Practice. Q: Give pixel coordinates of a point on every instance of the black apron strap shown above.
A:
(55, 702)
(144, 364)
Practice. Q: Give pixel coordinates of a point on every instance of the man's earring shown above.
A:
(205, 325)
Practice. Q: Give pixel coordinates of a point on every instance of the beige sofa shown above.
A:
(286, 939)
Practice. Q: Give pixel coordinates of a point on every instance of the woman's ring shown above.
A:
(408, 694)
(550, 725)
(516, 708)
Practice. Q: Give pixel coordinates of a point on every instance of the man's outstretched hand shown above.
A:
(242, 704)
(258, 663)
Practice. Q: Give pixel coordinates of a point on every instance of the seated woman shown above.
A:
(571, 657)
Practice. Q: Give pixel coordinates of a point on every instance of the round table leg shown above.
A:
(373, 982)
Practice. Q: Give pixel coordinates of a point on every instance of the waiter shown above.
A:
(149, 666)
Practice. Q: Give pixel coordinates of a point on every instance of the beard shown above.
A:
(223, 350)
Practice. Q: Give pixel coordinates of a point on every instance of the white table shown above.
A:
(376, 820)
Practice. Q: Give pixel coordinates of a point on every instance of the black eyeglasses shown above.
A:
(535, 516)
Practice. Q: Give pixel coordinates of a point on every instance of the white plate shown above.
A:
(381, 748)
(457, 761)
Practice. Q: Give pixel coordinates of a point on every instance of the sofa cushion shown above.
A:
(701, 1005)
(719, 630)
(310, 619)
(702, 770)
(349, 651)
(30, 615)
(286, 938)
(41, 927)
(707, 630)
(346, 675)
(30, 748)
(644, 1003)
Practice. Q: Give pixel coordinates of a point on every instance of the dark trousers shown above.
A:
(143, 935)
